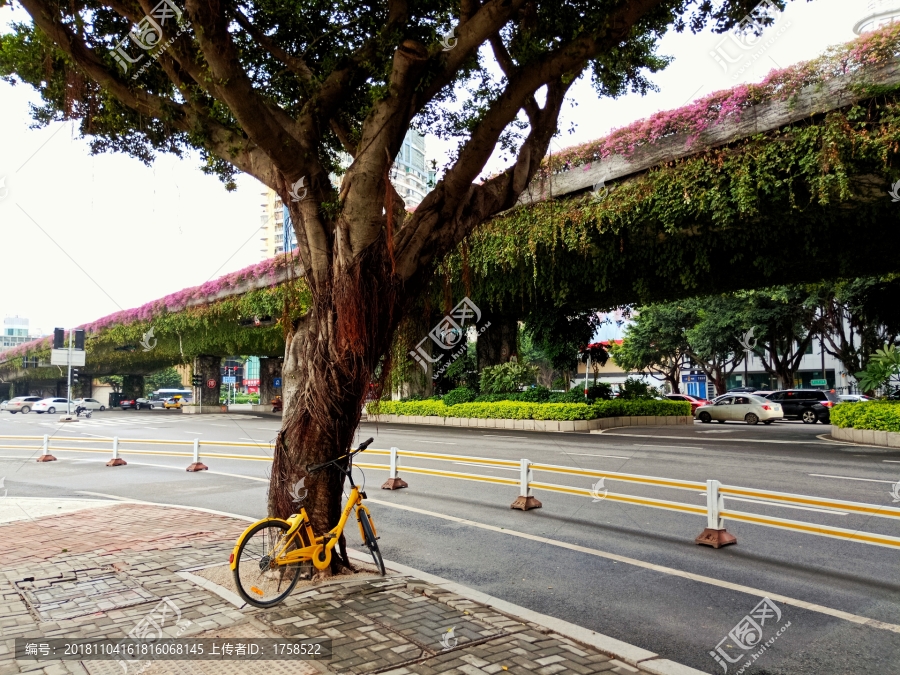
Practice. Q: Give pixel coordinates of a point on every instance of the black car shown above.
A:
(808, 405)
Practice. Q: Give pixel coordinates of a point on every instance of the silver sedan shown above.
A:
(740, 408)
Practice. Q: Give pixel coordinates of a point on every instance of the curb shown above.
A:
(617, 649)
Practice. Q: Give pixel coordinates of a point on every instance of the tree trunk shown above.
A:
(331, 358)
(499, 343)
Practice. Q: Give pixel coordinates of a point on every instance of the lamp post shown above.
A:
(748, 342)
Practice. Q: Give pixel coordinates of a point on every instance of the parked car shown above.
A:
(143, 403)
(52, 405)
(22, 404)
(90, 403)
(808, 405)
(175, 402)
(742, 408)
(741, 390)
(854, 398)
(128, 403)
(694, 401)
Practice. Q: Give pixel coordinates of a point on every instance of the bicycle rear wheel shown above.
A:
(369, 539)
(258, 579)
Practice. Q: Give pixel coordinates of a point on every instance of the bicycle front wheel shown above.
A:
(368, 532)
(259, 580)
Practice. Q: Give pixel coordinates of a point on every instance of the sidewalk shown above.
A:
(99, 571)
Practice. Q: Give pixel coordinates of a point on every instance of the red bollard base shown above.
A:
(118, 461)
(715, 538)
(525, 503)
(46, 458)
(198, 466)
(394, 484)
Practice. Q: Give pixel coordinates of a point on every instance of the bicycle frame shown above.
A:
(315, 548)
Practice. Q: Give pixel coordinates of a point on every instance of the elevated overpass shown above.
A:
(780, 182)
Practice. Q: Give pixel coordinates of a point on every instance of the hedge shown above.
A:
(877, 415)
(518, 410)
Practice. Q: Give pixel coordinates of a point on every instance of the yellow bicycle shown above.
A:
(267, 556)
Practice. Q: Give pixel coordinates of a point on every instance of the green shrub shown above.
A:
(877, 415)
(459, 395)
(523, 410)
(636, 389)
(507, 377)
(531, 395)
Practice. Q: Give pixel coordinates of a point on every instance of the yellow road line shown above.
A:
(882, 511)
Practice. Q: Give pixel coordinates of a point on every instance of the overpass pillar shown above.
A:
(209, 368)
(269, 371)
(133, 385)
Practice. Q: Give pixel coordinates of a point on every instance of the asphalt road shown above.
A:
(627, 571)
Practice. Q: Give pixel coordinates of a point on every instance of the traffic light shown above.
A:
(59, 338)
(79, 339)
(197, 380)
(74, 375)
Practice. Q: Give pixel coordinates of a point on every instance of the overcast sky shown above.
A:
(83, 236)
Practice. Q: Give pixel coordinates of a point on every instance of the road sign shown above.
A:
(229, 379)
(197, 380)
(693, 378)
(60, 357)
(819, 383)
(276, 382)
(211, 383)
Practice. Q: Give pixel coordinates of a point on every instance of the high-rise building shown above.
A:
(409, 176)
(272, 224)
(878, 13)
(15, 332)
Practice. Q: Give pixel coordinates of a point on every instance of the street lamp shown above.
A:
(748, 342)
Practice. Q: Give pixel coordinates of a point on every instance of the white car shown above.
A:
(52, 405)
(22, 404)
(89, 403)
(855, 398)
(740, 408)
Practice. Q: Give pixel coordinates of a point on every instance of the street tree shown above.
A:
(280, 90)
(712, 340)
(656, 341)
(561, 335)
(785, 320)
(859, 316)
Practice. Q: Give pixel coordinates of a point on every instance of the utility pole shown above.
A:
(69, 391)
(822, 349)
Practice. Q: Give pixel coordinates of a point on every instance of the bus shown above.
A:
(161, 395)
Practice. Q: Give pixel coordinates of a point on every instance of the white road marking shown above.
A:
(419, 440)
(867, 480)
(669, 447)
(586, 454)
(730, 440)
(890, 461)
(749, 590)
(501, 468)
(218, 425)
(194, 432)
(496, 436)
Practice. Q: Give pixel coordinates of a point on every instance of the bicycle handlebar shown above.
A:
(362, 446)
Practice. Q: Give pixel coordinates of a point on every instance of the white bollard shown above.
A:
(715, 535)
(116, 460)
(394, 482)
(45, 451)
(197, 465)
(525, 500)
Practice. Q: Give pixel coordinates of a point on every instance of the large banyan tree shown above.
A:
(281, 90)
